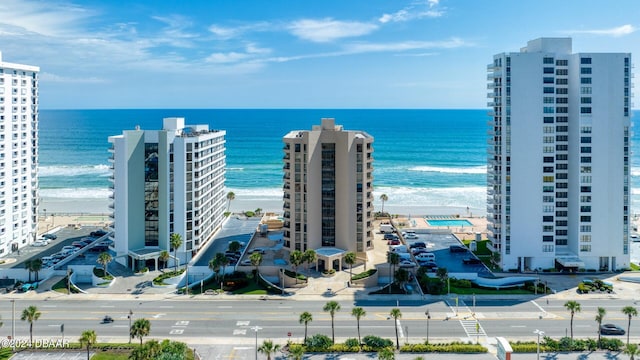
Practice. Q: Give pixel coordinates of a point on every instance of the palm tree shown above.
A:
(224, 261)
(152, 349)
(219, 260)
(230, 196)
(393, 259)
(268, 347)
(401, 277)
(331, 307)
(256, 260)
(383, 198)
(630, 311)
(164, 257)
(36, 266)
(631, 350)
(309, 256)
(296, 352)
(104, 259)
(350, 259)
(234, 246)
(358, 313)
(27, 265)
(30, 315)
(601, 312)
(573, 307)
(88, 339)
(305, 318)
(214, 266)
(396, 314)
(140, 328)
(258, 211)
(175, 241)
(296, 259)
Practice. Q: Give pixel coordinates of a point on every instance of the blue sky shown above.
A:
(290, 54)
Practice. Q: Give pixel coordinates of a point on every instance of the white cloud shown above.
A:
(251, 52)
(327, 30)
(414, 11)
(404, 46)
(42, 17)
(49, 77)
(226, 33)
(615, 32)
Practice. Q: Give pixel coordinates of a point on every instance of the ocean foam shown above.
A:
(481, 169)
(76, 193)
(67, 171)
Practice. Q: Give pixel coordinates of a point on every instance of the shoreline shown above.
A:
(93, 206)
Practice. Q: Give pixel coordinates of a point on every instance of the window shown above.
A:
(547, 218)
(585, 80)
(585, 110)
(562, 91)
(548, 70)
(585, 90)
(547, 169)
(585, 218)
(562, 128)
(547, 238)
(547, 60)
(585, 129)
(547, 248)
(548, 159)
(585, 61)
(548, 130)
(585, 100)
(548, 119)
(548, 90)
(585, 149)
(585, 248)
(585, 70)
(585, 179)
(549, 100)
(585, 139)
(547, 178)
(562, 62)
(562, 72)
(562, 100)
(585, 189)
(547, 188)
(548, 110)
(547, 228)
(585, 238)
(585, 169)
(547, 80)
(562, 81)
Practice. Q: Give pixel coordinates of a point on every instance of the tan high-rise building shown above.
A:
(328, 191)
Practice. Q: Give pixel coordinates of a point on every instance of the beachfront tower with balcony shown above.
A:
(559, 158)
(19, 199)
(328, 192)
(164, 182)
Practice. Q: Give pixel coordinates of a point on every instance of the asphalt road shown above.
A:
(231, 322)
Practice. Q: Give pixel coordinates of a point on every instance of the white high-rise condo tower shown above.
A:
(328, 192)
(558, 158)
(168, 181)
(18, 156)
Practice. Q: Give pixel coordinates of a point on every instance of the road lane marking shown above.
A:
(224, 307)
(166, 307)
(538, 306)
(182, 323)
(176, 331)
(518, 326)
(240, 332)
(243, 323)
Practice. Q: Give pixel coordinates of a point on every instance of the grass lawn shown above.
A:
(251, 289)
(481, 247)
(634, 267)
(483, 291)
(111, 355)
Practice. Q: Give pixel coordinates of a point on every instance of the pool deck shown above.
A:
(478, 224)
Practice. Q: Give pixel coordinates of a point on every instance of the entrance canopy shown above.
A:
(569, 261)
(329, 254)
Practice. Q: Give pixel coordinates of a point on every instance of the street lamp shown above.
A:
(538, 332)
(130, 316)
(428, 318)
(256, 328)
(13, 323)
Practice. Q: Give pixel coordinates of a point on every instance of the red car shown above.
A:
(393, 242)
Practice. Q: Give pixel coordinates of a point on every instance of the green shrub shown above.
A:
(611, 344)
(454, 347)
(460, 283)
(365, 274)
(102, 274)
(343, 348)
(351, 342)
(249, 214)
(159, 280)
(376, 342)
(318, 343)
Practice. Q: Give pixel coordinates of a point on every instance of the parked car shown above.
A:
(471, 260)
(406, 263)
(258, 250)
(431, 265)
(98, 233)
(457, 248)
(418, 244)
(611, 329)
(411, 235)
(246, 262)
(78, 244)
(416, 251)
(99, 248)
(38, 243)
(398, 248)
(390, 237)
(393, 242)
(50, 236)
(426, 256)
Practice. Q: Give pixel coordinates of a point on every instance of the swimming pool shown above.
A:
(449, 222)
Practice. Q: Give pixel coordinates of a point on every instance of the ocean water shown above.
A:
(431, 158)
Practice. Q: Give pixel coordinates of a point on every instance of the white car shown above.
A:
(425, 257)
(39, 243)
(407, 263)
